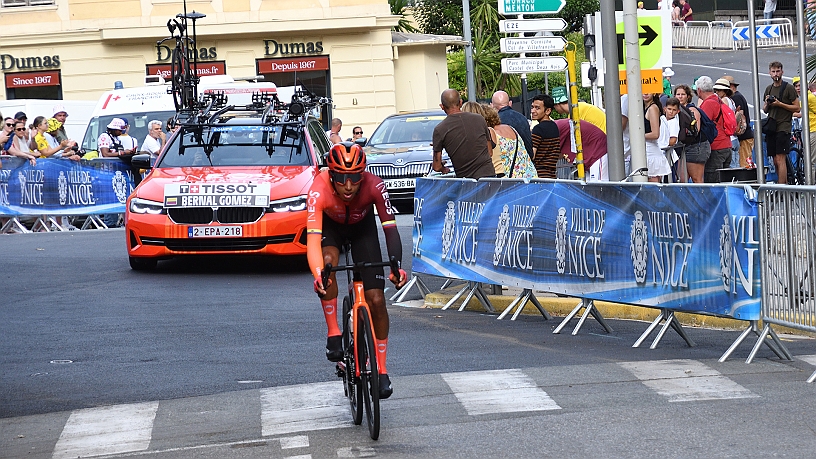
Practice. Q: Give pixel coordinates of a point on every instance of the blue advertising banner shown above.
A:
(63, 187)
(688, 248)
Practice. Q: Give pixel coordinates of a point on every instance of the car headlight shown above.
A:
(289, 204)
(143, 206)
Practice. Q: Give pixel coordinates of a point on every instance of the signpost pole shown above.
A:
(800, 22)
(471, 79)
(614, 122)
(759, 157)
(637, 133)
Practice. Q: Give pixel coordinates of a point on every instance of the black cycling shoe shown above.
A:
(385, 387)
(334, 348)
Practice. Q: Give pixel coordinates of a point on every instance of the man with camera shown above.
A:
(781, 102)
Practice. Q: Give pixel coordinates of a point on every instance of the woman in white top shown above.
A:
(655, 158)
(19, 146)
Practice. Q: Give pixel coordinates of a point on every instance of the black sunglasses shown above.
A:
(10, 124)
(358, 132)
(20, 129)
(340, 179)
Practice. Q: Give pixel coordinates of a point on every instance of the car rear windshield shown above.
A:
(233, 145)
(406, 129)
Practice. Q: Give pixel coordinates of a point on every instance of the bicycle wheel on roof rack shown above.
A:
(179, 69)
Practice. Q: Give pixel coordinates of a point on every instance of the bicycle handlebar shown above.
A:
(328, 269)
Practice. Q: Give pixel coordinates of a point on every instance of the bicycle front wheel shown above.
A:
(369, 374)
(354, 390)
(179, 68)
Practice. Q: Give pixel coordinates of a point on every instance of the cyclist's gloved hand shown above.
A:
(319, 288)
(398, 282)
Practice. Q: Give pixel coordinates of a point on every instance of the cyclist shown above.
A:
(341, 207)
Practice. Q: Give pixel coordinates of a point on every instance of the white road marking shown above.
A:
(107, 430)
(498, 391)
(302, 456)
(686, 380)
(356, 451)
(811, 359)
(304, 408)
(297, 441)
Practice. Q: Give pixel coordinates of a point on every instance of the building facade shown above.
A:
(344, 49)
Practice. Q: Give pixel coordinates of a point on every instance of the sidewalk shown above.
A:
(560, 306)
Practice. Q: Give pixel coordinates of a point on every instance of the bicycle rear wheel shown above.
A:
(354, 390)
(179, 66)
(369, 374)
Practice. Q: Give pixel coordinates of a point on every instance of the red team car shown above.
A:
(231, 182)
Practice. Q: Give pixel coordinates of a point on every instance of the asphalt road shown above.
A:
(215, 345)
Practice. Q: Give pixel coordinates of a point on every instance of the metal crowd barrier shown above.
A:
(720, 34)
(787, 227)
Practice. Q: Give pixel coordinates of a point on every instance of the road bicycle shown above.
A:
(183, 78)
(358, 369)
(795, 160)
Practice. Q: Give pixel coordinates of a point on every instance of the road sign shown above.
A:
(532, 45)
(651, 81)
(533, 64)
(764, 31)
(532, 25)
(655, 37)
(530, 6)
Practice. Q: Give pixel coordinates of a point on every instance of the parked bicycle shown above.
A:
(795, 160)
(359, 365)
(183, 75)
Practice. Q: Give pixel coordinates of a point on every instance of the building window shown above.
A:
(13, 3)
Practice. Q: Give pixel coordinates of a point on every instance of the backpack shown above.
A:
(729, 119)
(707, 128)
(742, 123)
(688, 127)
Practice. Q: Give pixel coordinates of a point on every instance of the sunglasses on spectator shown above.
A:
(358, 132)
(341, 179)
(20, 129)
(10, 124)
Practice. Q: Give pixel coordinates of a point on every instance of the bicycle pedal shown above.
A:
(340, 370)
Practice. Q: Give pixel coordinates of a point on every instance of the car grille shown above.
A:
(218, 244)
(388, 171)
(206, 215)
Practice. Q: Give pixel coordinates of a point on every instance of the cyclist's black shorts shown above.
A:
(365, 245)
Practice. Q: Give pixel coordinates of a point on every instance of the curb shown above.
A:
(561, 306)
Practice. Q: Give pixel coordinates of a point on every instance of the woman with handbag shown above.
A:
(510, 157)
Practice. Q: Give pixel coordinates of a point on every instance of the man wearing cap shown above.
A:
(722, 88)
(586, 112)
(60, 114)
(108, 142)
(746, 139)
(130, 144)
(667, 74)
(502, 103)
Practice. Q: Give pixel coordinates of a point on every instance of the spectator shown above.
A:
(130, 144)
(47, 145)
(627, 146)
(6, 134)
(109, 144)
(510, 158)
(465, 137)
(672, 124)
(811, 97)
(546, 143)
(61, 115)
(710, 103)
(656, 160)
(696, 153)
(770, 7)
(780, 103)
(501, 102)
(19, 145)
(334, 133)
(667, 74)
(722, 88)
(686, 11)
(675, 11)
(586, 112)
(593, 145)
(356, 133)
(746, 139)
(155, 138)
(171, 125)
(21, 116)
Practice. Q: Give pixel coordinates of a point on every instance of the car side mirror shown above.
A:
(141, 161)
(361, 141)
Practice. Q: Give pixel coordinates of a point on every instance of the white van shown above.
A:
(79, 112)
(152, 102)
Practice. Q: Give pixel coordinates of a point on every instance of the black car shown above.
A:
(400, 150)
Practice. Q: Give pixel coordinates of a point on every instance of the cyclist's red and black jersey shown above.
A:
(331, 217)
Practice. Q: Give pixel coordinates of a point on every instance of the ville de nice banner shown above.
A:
(690, 248)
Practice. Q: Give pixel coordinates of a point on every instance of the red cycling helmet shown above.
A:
(346, 158)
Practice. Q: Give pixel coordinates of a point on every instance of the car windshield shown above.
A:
(237, 145)
(406, 129)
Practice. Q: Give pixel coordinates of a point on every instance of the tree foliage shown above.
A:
(445, 17)
(398, 8)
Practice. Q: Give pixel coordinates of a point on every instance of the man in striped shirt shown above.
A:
(546, 142)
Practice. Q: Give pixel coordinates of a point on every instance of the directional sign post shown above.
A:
(532, 25)
(532, 45)
(533, 64)
(507, 7)
(764, 31)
